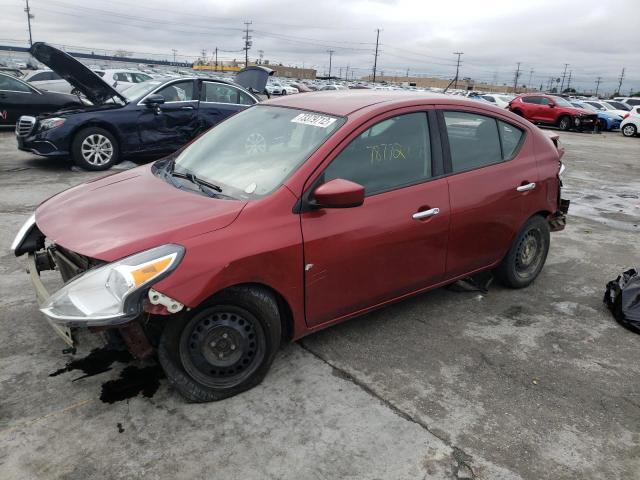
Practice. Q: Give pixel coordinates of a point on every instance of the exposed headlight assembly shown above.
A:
(50, 123)
(111, 294)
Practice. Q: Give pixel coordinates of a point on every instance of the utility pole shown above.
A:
(621, 78)
(375, 57)
(530, 78)
(515, 79)
(455, 80)
(340, 74)
(203, 52)
(29, 17)
(346, 75)
(331, 52)
(569, 80)
(598, 80)
(247, 43)
(174, 57)
(563, 75)
(407, 73)
(216, 55)
(261, 54)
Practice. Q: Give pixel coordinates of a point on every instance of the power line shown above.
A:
(375, 57)
(455, 85)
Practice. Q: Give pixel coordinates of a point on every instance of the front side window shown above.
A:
(535, 100)
(178, 92)
(392, 153)
(11, 84)
(140, 77)
(251, 153)
(545, 101)
(474, 140)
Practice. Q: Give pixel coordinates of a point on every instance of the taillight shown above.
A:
(626, 115)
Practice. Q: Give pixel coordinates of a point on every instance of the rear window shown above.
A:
(633, 101)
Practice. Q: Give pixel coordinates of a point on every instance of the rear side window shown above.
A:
(392, 153)
(474, 140)
(633, 102)
(535, 100)
(510, 138)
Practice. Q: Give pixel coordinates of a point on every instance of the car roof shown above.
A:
(345, 102)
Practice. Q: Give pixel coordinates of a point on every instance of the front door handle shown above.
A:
(425, 214)
(187, 107)
(526, 188)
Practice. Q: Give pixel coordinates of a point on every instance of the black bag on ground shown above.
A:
(622, 296)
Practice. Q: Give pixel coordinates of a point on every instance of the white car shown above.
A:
(501, 101)
(277, 88)
(630, 126)
(631, 101)
(123, 79)
(48, 80)
(334, 87)
(606, 107)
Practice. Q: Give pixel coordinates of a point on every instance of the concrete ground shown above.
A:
(533, 384)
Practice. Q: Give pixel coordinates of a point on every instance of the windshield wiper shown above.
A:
(203, 185)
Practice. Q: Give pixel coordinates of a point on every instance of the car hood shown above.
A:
(118, 215)
(90, 84)
(254, 78)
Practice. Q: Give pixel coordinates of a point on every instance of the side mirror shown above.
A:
(339, 193)
(552, 105)
(154, 100)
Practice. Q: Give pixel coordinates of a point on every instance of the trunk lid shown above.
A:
(90, 84)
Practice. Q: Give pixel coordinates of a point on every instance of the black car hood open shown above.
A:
(254, 78)
(87, 82)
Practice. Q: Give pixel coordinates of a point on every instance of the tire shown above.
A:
(521, 265)
(629, 130)
(602, 126)
(565, 123)
(94, 148)
(283, 92)
(224, 347)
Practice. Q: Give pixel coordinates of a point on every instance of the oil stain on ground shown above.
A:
(132, 380)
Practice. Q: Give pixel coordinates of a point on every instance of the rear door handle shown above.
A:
(187, 107)
(526, 188)
(425, 214)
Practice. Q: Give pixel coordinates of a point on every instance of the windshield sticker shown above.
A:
(313, 119)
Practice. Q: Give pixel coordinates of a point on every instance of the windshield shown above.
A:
(505, 98)
(599, 106)
(252, 153)
(561, 102)
(586, 106)
(140, 89)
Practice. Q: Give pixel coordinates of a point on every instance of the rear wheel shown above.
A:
(94, 148)
(629, 130)
(224, 347)
(527, 254)
(565, 123)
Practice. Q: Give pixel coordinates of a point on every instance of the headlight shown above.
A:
(22, 233)
(50, 123)
(110, 294)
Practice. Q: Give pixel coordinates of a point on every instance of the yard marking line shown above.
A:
(50, 414)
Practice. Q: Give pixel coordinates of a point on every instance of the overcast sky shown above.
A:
(596, 38)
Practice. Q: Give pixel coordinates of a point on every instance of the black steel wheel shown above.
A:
(524, 261)
(224, 347)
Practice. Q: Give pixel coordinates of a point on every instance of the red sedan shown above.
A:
(291, 216)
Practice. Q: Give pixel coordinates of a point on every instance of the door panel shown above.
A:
(358, 257)
(487, 210)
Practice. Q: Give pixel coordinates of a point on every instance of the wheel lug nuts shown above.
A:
(213, 344)
(224, 335)
(220, 355)
(233, 347)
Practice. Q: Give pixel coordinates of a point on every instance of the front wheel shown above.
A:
(94, 148)
(224, 347)
(564, 123)
(629, 130)
(527, 254)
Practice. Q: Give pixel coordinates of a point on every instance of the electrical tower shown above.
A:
(569, 80)
(375, 56)
(247, 43)
(598, 80)
(455, 80)
(174, 55)
(29, 17)
(515, 79)
(331, 52)
(530, 78)
(620, 83)
(564, 74)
